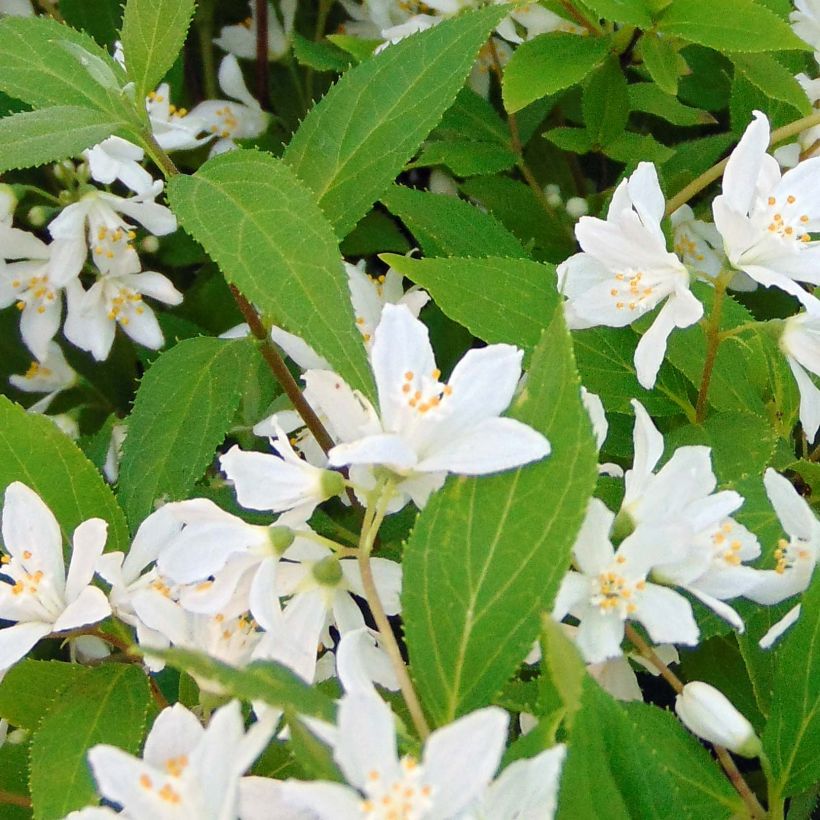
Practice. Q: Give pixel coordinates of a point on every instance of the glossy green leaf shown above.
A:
(352, 145)
(446, 225)
(35, 137)
(606, 102)
(105, 705)
(263, 228)
(633, 12)
(102, 19)
(773, 79)
(731, 25)
(661, 61)
(466, 158)
(183, 409)
(652, 99)
(33, 450)
(153, 32)
(550, 63)
(487, 554)
(30, 687)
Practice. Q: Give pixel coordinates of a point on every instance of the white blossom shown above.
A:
(805, 20)
(800, 344)
(51, 376)
(240, 39)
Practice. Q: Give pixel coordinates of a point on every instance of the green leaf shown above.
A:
(313, 756)
(376, 233)
(153, 32)
(497, 300)
(267, 681)
(260, 224)
(652, 99)
(631, 148)
(550, 63)
(567, 138)
(466, 157)
(321, 56)
(39, 68)
(773, 79)
(487, 554)
(35, 137)
(606, 102)
(102, 19)
(184, 407)
(661, 61)
(30, 687)
(729, 25)
(33, 450)
(472, 117)
(792, 736)
(355, 141)
(633, 12)
(447, 226)
(563, 672)
(105, 705)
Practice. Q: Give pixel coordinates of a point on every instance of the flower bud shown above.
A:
(333, 483)
(280, 538)
(709, 714)
(8, 200)
(553, 195)
(328, 571)
(149, 244)
(577, 207)
(38, 216)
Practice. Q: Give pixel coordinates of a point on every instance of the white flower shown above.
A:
(174, 128)
(800, 344)
(227, 120)
(50, 376)
(710, 714)
(534, 20)
(115, 299)
(766, 220)
(241, 38)
(186, 771)
(8, 202)
(457, 764)
(111, 466)
(795, 558)
(611, 587)
(35, 591)
(116, 158)
(625, 270)
(279, 482)
(805, 20)
(95, 222)
(428, 428)
(16, 8)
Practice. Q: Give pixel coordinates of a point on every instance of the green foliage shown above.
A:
(104, 705)
(633, 12)
(102, 19)
(35, 137)
(550, 63)
(730, 25)
(606, 103)
(791, 739)
(34, 451)
(486, 555)
(446, 225)
(30, 687)
(466, 157)
(153, 32)
(182, 411)
(772, 79)
(264, 229)
(264, 681)
(652, 99)
(661, 61)
(43, 66)
(354, 142)
(497, 300)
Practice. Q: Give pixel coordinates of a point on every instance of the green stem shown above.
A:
(158, 154)
(374, 515)
(709, 176)
(713, 340)
(318, 33)
(205, 32)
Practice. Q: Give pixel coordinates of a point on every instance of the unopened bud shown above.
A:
(149, 244)
(553, 195)
(38, 216)
(333, 483)
(709, 714)
(64, 171)
(8, 201)
(328, 571)
(577, 207)
(280, 538)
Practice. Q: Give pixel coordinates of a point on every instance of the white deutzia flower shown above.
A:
(35, 282)
(50, 376)
(766, 220)
(96, 223)
(625, 270)
(241, 38)
(116, 158)
(239, 118)
(116, 299)
(800, 344)
(457, 764)
(111, 466)
(611, 587)
(186, 771)
(708, 713)
(805, 20)
(35, 591)
(16, 8)
(174, 128)
(796, 558)
(279, 482)
(533, 19)
(427, 428)
(8, 202)
(595, 410)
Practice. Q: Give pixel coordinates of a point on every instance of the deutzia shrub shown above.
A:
(411, 409)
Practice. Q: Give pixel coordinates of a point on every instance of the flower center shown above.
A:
(630, 292)
(613, 592)
(123, 306)
(228, 122)
(785, 219)
(113, 242)
(36, 292)
(725, 547)
(402, 799)
(788, 553)
(422, 393)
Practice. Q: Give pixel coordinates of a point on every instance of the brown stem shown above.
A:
(713, 339)
(262, 68)
(741, 786)
(281, 373)
(709, 176)
(577, 17)
(370, 529)
(156, 693)
(11, 799)
(205, 34)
